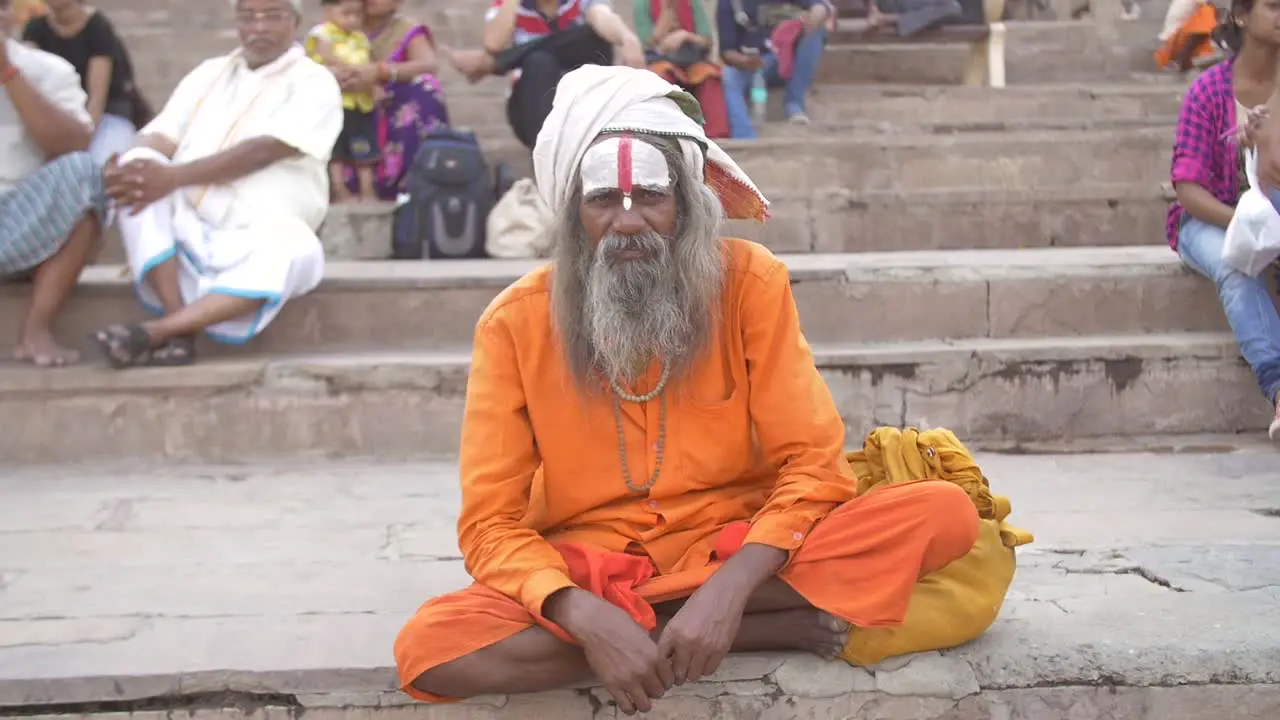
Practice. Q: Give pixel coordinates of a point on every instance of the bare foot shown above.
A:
(807, 629)
(41, 350)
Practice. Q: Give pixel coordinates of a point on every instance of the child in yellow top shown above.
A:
(338, 42)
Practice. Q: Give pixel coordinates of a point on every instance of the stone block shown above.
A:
(810, 676)
(930, 675)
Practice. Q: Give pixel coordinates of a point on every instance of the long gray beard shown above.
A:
(634, 312)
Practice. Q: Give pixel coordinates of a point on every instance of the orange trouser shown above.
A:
(860, 564)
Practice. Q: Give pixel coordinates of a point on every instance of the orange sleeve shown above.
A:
(797, 423)
(497, 462)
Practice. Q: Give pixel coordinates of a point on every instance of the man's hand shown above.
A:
(699, 637)
(621, 654)
(139, 183)
(672, 42)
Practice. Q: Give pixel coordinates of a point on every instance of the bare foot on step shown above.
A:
(807, 629)
(41, 350)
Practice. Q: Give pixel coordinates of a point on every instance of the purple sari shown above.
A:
(413, 108)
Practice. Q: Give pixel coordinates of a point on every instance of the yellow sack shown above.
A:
(959, 602)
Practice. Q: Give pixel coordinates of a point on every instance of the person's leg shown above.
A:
(1249, 307)
(339, 160)
(803, 71)
(736, 83)
(51, 286)
(532, 96)
(48, 228)
(501, 651)
(362, 143)
(860, 563)
(114, 136)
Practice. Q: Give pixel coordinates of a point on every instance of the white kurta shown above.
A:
(256, 237)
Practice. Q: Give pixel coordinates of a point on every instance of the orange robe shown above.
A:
(1192, 41)
(754, 453)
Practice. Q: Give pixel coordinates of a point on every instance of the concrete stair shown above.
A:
(240, 539)
(273, 591)
(999, 345)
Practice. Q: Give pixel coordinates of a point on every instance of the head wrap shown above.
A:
(297, 5)
(595, 100)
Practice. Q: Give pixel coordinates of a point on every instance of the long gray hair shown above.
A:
(612, 321)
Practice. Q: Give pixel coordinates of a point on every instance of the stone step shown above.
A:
(1035, 52)
(390, 404)
(843, 298)
(1034, 159)
(274, 591)
(165, 46)
(839, 221)
(936, 108)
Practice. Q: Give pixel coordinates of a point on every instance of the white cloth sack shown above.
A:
(519, 224)
(1253, 236)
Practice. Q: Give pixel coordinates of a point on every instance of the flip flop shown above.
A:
(124, 346)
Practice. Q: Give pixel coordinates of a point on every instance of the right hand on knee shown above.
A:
(621, 653)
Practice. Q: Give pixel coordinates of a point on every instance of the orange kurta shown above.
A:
(754, 453)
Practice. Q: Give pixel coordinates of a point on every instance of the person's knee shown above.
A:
(540, 64)
(952, 515)
(144, 153)
(460, 678)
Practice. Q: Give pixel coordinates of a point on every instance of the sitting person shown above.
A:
(1186, 38)
(538, 41)
(678, 38)
(51, 195)
(653, 470)
(339, 43)
(747, 48)
(84, 37)
(1208, 176)
(403, 67)
(222, 198)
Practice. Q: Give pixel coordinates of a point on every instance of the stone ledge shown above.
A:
(410, 404)
(168, 587)
(841, 220)
(1247, 702)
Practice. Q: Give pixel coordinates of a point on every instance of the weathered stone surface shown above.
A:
(410, 404)
(839, 221)
(1085, 632)
(843, 298)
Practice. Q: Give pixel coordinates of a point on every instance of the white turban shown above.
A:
(595, 99)
(297, 5)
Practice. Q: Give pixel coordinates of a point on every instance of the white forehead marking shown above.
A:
(601, 167)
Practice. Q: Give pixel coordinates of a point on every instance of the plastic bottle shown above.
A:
(759, 97)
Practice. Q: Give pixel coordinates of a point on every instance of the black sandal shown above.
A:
(124, 346)
(178, 351)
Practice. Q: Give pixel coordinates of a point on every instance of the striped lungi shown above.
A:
(38, 215)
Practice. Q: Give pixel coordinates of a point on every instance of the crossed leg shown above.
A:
(776, 618)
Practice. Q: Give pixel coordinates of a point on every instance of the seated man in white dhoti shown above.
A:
(50, 190)
(221, 200)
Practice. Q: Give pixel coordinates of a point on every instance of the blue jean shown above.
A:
(737, 83)
(114, 136)
(1250, 309)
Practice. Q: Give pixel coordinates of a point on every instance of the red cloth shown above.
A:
(785, 38)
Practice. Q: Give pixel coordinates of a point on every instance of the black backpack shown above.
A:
(450, 196)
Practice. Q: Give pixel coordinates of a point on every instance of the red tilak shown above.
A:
(624, 165)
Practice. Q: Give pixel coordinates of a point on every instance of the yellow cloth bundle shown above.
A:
(959, 602)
